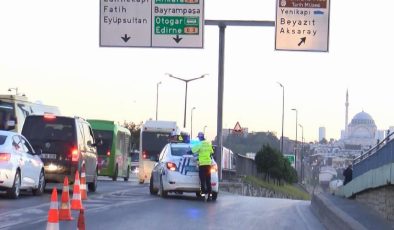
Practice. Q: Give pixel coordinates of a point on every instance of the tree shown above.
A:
(274, 165)
(135, 130)
(323, 141)
(266, 160)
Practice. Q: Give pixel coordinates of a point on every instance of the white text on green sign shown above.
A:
(176, 25)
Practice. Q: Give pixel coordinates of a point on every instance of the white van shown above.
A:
(14, 109)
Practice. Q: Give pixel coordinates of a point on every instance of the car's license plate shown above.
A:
(48, 156)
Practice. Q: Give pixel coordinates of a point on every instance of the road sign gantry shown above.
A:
(152, 23)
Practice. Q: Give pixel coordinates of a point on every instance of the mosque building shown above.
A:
(361, 132)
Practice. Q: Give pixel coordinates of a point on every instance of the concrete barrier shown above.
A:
(331, 216)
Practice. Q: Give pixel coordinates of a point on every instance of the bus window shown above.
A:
(106, 137)
(7, 117)
(152, 144)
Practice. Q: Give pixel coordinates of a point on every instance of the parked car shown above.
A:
(177, 171)
(20, 167)
(67, 144)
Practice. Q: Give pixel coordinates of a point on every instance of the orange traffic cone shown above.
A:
(65, 211)
(81, 220)
(76, 202)
(53, 213)
(84, 195)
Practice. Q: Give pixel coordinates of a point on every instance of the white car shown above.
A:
(177, 171)
(20, 167)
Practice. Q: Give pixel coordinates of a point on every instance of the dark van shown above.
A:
(67, 143)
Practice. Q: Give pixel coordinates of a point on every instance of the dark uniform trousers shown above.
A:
(205, 179)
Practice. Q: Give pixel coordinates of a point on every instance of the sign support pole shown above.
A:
(222, 27)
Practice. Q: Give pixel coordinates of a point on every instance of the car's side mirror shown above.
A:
(90, 144)
(98, 142)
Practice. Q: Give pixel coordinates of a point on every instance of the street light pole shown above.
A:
(157, 97)
(186, 81)
(302, 152)
(283, 114)
(191, 122)
(204, 128)
(295, 148)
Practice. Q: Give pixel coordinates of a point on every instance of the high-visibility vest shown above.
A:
(204, 151)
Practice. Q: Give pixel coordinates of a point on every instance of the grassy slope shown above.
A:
(288, 189)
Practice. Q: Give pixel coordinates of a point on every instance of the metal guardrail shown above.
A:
(381, 154)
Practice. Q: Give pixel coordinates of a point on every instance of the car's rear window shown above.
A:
(2, 139)
(39, 128)
(180, 150)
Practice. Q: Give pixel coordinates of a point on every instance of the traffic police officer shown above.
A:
(204, 150)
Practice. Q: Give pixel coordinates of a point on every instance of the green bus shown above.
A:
(114, 153)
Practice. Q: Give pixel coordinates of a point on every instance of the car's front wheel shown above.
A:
(15, 190)
(41, 185)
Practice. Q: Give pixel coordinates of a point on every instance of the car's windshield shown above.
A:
(180, 150)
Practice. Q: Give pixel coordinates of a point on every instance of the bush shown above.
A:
(271, 162)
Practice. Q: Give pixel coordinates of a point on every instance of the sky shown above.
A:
(50, 51)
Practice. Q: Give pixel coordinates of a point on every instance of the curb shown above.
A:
(331, 216)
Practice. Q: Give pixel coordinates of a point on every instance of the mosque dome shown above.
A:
(362, 118)
(362, 129)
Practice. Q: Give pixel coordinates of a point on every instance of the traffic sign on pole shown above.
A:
(302, 25)
(291, 159)
(152, 23)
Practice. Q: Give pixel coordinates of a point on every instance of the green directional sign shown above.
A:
(291, 159)
(177, 1)
(176, 25)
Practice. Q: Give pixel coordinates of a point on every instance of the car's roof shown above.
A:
(180, 144)
(7, 133)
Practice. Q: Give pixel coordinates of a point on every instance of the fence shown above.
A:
(379, 155)
(245, 166)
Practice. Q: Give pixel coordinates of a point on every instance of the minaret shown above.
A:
(347, 112)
